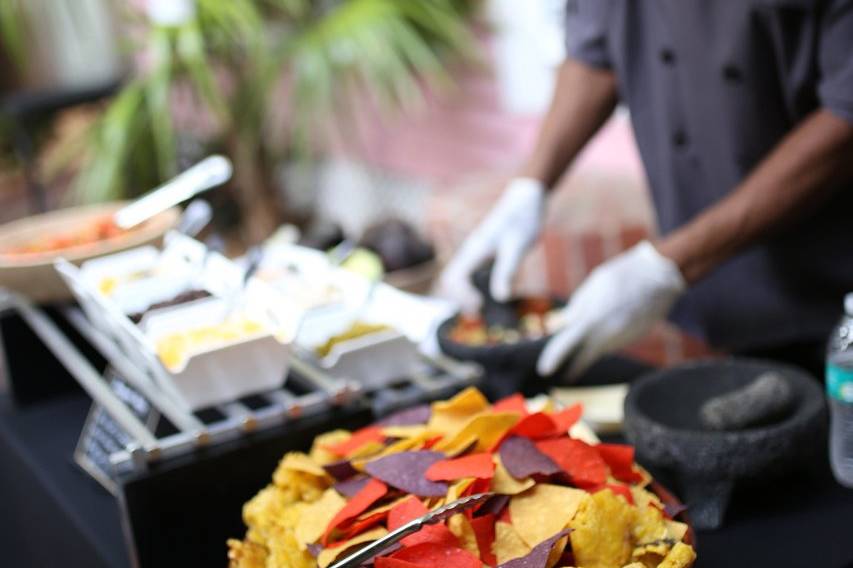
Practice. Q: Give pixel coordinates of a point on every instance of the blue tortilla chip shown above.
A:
(538, 557)
(340, 470)
(408, 417)
(522, 459)
(351, 486)
(405, 471)
(494, 505)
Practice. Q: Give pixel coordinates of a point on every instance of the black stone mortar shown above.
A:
(662, 422)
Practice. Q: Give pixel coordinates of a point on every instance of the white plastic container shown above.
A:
(215, 374)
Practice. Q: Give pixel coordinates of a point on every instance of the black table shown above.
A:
(54, 515)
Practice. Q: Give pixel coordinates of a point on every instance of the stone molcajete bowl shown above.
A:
(662, 422)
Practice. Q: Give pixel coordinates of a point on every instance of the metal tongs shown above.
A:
(377, 547)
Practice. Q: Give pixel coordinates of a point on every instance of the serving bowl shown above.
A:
(662, 422)
(33, 274)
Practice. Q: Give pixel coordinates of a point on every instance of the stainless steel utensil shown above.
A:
(442, 513)
(208, 173)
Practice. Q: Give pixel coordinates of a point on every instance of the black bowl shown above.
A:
(662, 422)
(507, 366)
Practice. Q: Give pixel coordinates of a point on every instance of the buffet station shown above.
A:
(171, 406)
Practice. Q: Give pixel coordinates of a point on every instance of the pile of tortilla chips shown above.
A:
(558, 501)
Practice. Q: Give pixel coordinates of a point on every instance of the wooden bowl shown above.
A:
(33, 274)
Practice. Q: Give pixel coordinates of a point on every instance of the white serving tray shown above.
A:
(212, 376)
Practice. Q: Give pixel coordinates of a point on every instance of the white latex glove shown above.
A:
(616, 304)
(510, 228)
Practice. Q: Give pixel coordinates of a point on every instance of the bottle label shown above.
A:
(839, 383)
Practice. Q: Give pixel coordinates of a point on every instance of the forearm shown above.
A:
(583, 99)
(792, 181)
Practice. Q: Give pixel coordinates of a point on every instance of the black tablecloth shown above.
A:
(54, 515)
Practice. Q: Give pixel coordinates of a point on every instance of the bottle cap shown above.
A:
(848, 304)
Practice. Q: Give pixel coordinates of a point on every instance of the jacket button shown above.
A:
(732, 73)
(667, 56)
(679, 139)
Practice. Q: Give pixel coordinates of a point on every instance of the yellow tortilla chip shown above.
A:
(505, 484)
(316, 517)
(297, 461)
(675, 530)
(681, 556)
(407, 431)
(480, 433)
(448, 416)
(404, 445)
(329, 555)
(644, 498)
(246, 554)
(283, 550)
(649, 525)
(543, 511)
(456, 488)
(368, 450)
(461, 528)
(319, 453)
(508, 544)
(602, 531)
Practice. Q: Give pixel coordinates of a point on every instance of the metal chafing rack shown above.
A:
(308, 391)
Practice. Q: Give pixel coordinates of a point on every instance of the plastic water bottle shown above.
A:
(839, 388)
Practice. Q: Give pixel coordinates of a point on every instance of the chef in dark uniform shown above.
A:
(743, 113)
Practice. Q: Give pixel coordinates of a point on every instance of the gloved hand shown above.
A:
(510, 228)
(617, 303)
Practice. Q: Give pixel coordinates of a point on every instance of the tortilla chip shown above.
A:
(535, 426)
(681, 556)
(329, 555)
(508, 544)
(431, 555)
(461, 528)
(580, 460)
(484, 532)
(505, 484)
(542, 553)
(481, 433)
(602, 535)
(451, 415)
(316, 517)
(675, 530)
(512, 403)
(245, 554)
(412, 508)
(408, 416)
(522, 459)
(543, 511)
(371, 493)
(406, 471)
(480, 466)
(566, 418)
(346, 447)
(620, 459)
(297, 461)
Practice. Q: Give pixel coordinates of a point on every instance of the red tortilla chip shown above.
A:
(434, 555)
(504, 516)
(356, 440)
(581, 461)
(567, 417)
(620, 459)
(536, 426)
(512, 403)
(359, 527)
(617, 489)
(484, 530)
(371, 493)
(412, 508)
(480, 466)
(386, 562)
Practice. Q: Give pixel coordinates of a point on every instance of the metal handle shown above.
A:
(206, 174)
(373, 549)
